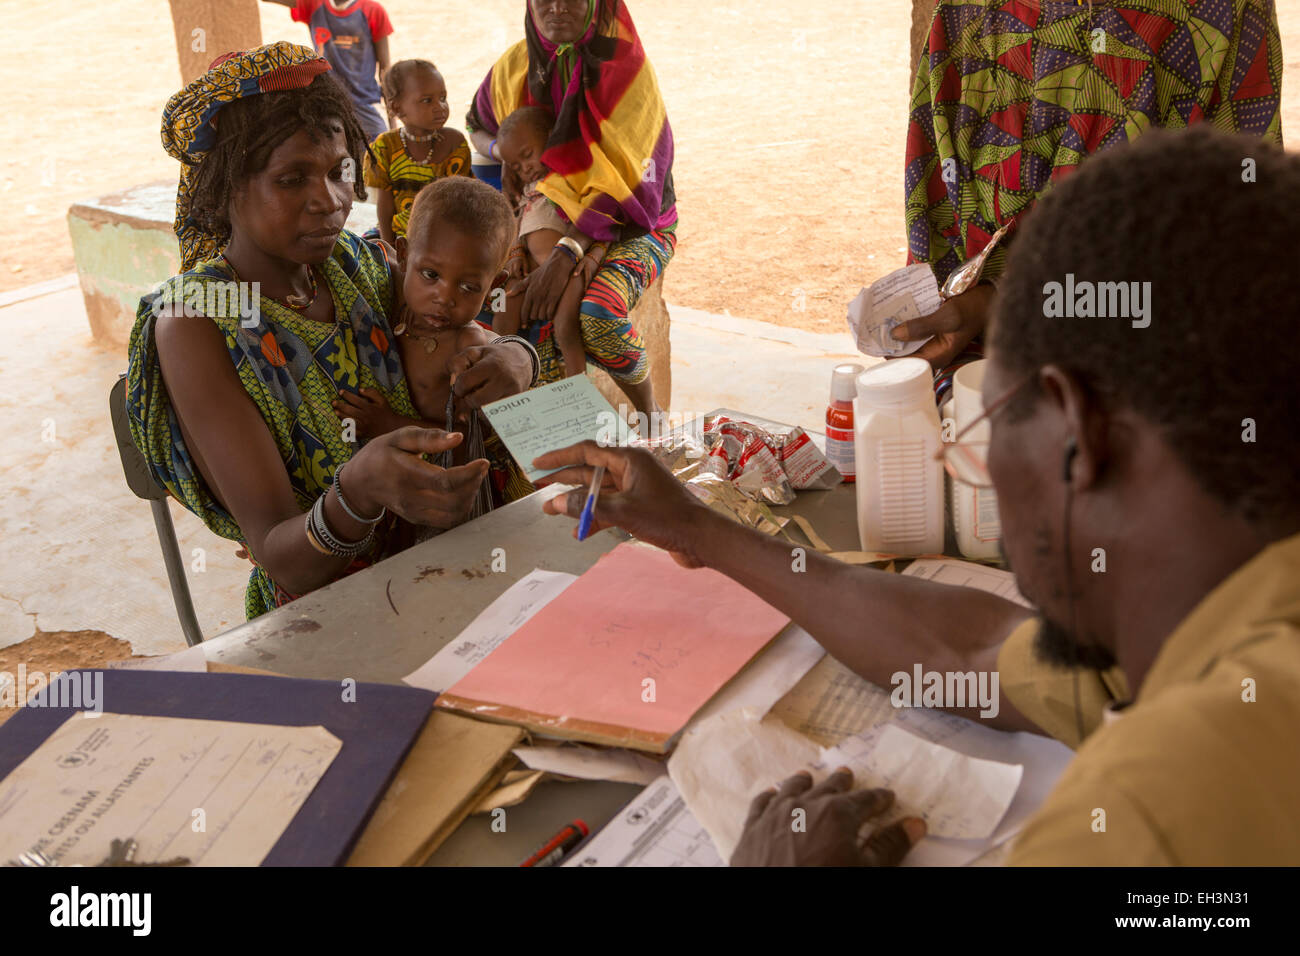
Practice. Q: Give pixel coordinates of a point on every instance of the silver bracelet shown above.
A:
(532, 353)
(321, 531)
(338, 490)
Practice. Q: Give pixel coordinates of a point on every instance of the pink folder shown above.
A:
(625, 656)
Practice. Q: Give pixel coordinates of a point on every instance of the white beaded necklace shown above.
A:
(409, 138)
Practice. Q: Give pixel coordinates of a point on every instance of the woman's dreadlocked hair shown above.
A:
(249, 130)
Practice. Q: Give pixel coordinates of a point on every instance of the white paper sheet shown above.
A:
(554, 416)
(725, 761)
(959, 797)
(655, 829)
(905, 294)
(970, 575)
(485, 633)
(1043, 759)
(218, 792)
(592, 763)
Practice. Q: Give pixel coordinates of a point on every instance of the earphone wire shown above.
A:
(1069, 597)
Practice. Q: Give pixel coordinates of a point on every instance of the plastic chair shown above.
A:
(142, 484)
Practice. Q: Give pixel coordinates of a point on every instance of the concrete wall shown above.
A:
(124, 246)
(650, 318)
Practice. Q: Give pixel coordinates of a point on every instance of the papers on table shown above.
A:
(958, 796)
(970, 575)
(554, 416)
(1043, 759)
(904, 294)
(758, 686)
(722, 763)
(655, 829)
(769, 676)
(975, 789)
(591, 763)
(218, 792)
(831, 703)
(485, 633)
(624, 656)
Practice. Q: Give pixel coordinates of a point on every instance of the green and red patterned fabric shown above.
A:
(1009, 97)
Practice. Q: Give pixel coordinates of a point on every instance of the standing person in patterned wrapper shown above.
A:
(610, 156)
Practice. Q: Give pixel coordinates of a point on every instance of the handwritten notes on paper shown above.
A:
(552, 417)
(967, 574)
(625, 655)
(899, 297)
(958, 796)
(218, 792)
(831, 703)
(723, 763)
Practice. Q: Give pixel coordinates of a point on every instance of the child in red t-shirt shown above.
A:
(353, 36)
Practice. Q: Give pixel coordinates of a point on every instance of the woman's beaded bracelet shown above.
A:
(324, 540)
(338, 490)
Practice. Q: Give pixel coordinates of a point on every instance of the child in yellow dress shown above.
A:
(403, 161)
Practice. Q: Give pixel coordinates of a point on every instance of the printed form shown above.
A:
(217, 792)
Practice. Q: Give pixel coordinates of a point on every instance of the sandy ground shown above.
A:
(789, 131)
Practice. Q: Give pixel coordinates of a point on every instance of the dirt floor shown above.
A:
(50, 652)
(789, 131)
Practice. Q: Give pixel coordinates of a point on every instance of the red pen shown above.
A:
(553, 850)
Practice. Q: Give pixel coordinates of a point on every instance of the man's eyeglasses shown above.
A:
(966, 456)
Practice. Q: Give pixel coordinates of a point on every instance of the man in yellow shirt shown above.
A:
(1147, 464)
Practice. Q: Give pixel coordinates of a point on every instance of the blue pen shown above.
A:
(589, 509)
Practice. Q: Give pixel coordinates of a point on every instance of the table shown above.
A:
(382, 623)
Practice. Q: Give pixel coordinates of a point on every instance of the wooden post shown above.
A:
(922, 14)
(650, 318)
(205, 29)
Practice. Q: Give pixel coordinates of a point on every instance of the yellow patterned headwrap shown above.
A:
(188, 132)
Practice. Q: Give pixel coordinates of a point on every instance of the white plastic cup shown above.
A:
(899, 480)
(977, 525)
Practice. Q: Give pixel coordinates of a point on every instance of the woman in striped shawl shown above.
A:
(610, 156)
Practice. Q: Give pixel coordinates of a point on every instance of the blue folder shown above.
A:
(377, 729)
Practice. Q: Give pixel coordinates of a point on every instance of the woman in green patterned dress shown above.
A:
(236, 364)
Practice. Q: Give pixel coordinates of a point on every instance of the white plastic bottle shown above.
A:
(975, 521)
(900, 483)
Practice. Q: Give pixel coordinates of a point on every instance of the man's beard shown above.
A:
(1058, 647)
